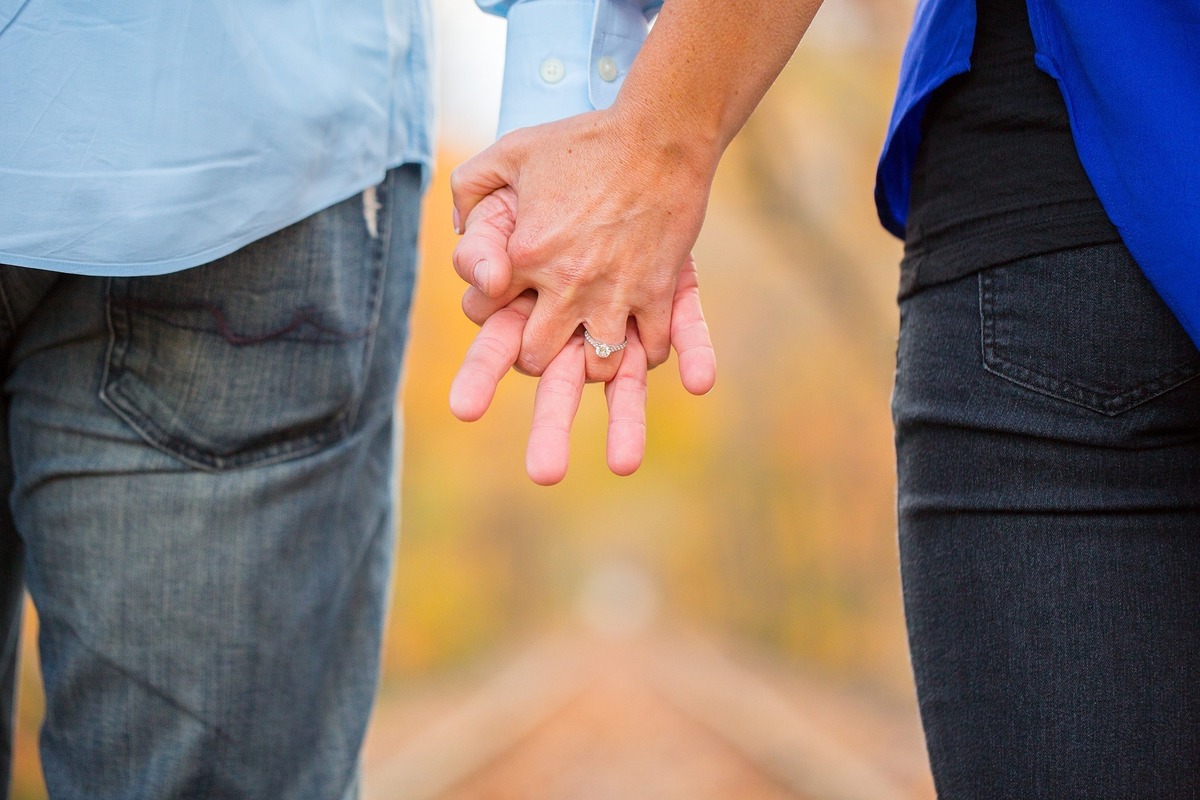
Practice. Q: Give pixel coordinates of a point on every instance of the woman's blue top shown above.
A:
(1130, 76)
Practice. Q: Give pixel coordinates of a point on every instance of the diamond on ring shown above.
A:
(603, 349)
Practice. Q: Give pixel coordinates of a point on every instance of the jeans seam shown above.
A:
(9, 317)
(378, 279)
(148, 685)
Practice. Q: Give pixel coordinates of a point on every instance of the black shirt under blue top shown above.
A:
(997, 177)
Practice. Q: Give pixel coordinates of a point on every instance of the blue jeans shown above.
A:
(200, 474)
(1048, 444)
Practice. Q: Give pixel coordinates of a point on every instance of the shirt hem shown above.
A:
(167, 266)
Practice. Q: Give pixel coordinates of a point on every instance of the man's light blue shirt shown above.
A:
(145, 137)
(141, 137)
(566, 57)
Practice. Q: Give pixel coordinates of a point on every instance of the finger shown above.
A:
(546, 333)
(549, 327)
(654, 321)
(478, 307)
(689, 334)
(604, 353)
(490, 356)
(554, 407)
(481, 257)
(654, 334)
(479, 176)
(626, 395)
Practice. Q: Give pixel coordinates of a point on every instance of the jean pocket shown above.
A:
(1083, 326)
(255, 358)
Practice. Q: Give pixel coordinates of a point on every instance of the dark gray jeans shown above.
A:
(1048, 443)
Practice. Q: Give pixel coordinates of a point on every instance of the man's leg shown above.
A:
(20, 292)
(12, 593)
(1048, 443)
(204, 482)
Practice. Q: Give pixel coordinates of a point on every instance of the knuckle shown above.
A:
(513, 140)
(657, 357)
(500, 349)
(601, 372)
(459, 259)
(472, 311)
(692, 330)
(528, 365)
(629, 384)
(577, 272)
(524, 249)
(551, 427)
(560, 387)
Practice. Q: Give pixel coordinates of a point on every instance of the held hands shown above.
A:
(608, 212)
(599, 215)
(498, 346)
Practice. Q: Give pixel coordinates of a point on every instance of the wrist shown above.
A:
(683, 140)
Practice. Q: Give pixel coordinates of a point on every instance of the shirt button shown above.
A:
(552, 70)
(607, 69)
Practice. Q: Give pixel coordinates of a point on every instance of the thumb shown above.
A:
(481, 257)
(482, 174)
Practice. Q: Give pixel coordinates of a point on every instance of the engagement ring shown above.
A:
(603, 349)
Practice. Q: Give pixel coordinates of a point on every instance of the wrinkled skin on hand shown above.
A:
(602, 222)
(497, 346)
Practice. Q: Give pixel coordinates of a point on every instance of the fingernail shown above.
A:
(457, 222)
(482, 275)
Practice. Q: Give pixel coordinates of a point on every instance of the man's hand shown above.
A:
(606, 219)
(611, 201)
(497, 346)
(558, 394)
(595, 216)
(560, 387)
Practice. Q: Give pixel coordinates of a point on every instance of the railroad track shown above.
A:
(649, 717)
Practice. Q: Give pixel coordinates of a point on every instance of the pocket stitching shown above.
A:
(994, 361)
(294, 445)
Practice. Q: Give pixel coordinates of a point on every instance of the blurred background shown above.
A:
(727, 622)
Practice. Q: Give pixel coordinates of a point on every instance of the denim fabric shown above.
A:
(200, 468)
(1048, 445)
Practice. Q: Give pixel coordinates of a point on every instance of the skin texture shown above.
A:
(497, 345)
(598, 213)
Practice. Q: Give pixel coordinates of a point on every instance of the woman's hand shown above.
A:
(497, 346)
(600, 218)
